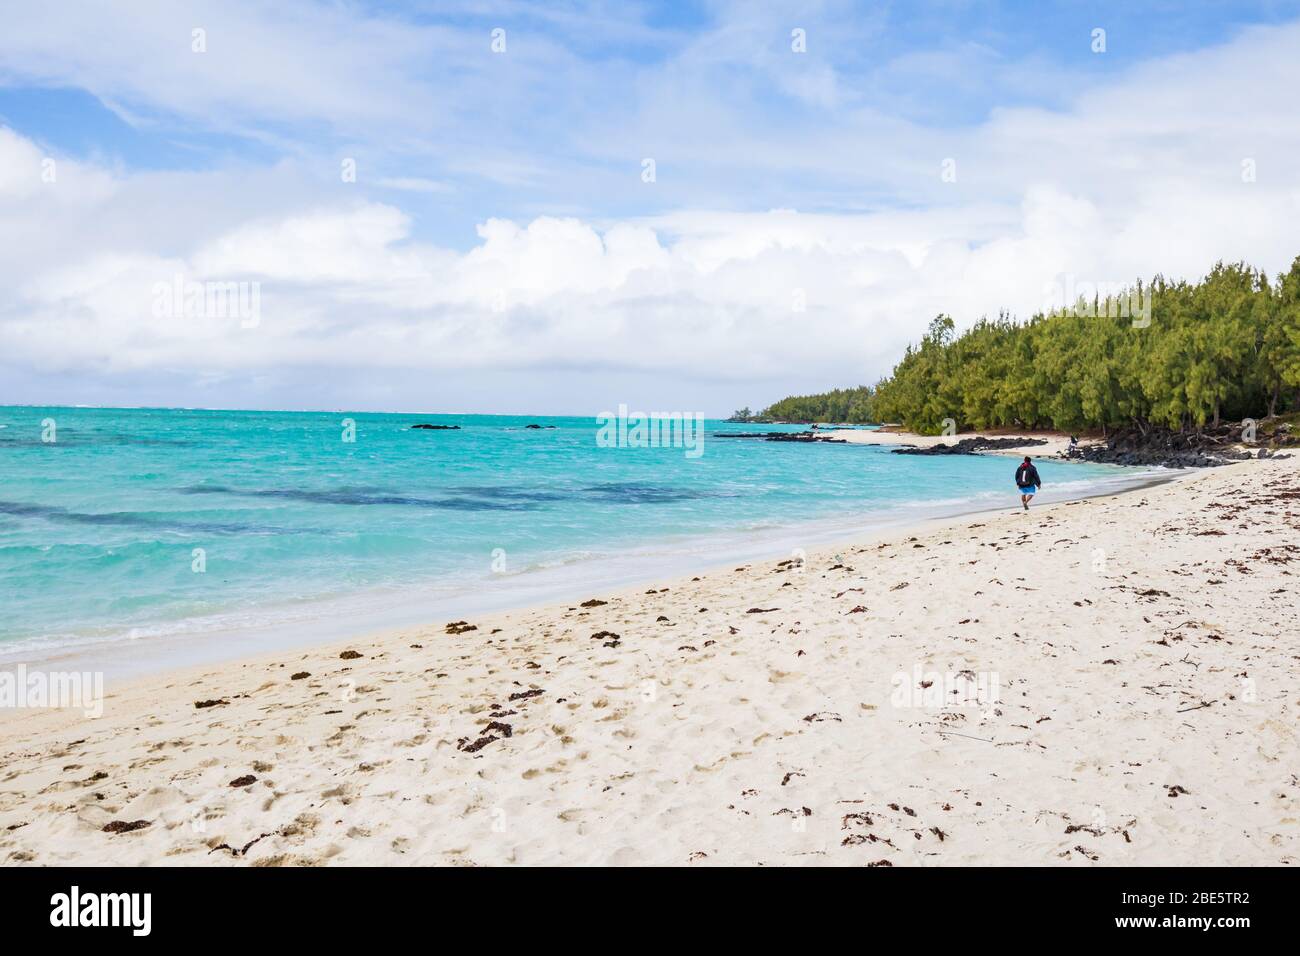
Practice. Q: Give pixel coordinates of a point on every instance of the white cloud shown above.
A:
(1137, 176)
(415, 184)
(28, 172)
(291, 61)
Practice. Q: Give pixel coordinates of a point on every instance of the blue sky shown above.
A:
(779, 177)
(941, 65)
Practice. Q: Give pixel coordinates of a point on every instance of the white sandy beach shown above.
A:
(1141, 647)
(1054, 445)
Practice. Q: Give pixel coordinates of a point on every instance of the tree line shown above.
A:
(1181, 355)
(840, 405)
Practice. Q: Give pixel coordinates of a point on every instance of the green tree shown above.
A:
(1227, 346)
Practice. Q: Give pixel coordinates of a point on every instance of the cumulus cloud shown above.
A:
(1140, 174)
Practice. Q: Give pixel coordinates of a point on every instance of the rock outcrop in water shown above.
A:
(782, 436)
(438, 428)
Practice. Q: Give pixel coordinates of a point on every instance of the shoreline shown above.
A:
(1055, 447)
(286, 628)
(749, 716)
(627, 590)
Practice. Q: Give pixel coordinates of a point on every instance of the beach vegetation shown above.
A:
(1221, 349)
(846, 405)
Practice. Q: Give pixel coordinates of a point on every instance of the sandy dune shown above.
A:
(1142, 647)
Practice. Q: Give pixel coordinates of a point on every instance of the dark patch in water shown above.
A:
(130, 519)
(634, 493)
(508, 494)
(68, 439)
(355, 496)
(471, 504)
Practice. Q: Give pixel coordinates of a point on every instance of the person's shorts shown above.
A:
(1028, 489)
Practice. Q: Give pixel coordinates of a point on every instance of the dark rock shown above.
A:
(806, 437)
(438, 428)
(969, 446)
(1170, 449)
(243, 781)
(783, 436)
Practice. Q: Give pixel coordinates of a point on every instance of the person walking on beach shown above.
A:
(1028, 481)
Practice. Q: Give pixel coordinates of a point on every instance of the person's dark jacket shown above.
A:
(1027, 475)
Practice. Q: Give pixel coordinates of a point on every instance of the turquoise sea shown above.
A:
(223, 531)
